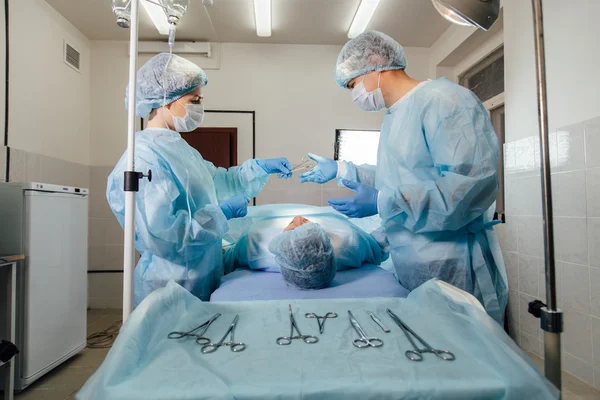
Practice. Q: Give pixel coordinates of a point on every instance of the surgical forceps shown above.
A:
(285, 340)
(417, 353)
(235, 346)
(200, 338)
(364, 340)
(379, 322)
(321, 319)
(306, 164)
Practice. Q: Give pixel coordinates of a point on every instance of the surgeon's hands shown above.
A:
(279, 166)
(362, 204)
(235, 207)
(325, 170)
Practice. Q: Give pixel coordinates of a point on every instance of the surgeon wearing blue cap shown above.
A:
(436, 178)
(181, 216)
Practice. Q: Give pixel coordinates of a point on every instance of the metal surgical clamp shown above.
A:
(417, 353)
(306, 164)
(321, 319)
(285, 340)
(378, 322)
(200, 338)
(235, 346)
(364, 340)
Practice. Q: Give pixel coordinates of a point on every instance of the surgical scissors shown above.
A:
(321, 319)
(235, 346)
(417, 353)
(285, 340)
(200, 338)
(364, 340)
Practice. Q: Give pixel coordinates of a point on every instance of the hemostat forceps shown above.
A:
(364, 340)
(321, 319)
(285, 340)
(306, 164)
(200, 338)
(235, 346)
(417, 353)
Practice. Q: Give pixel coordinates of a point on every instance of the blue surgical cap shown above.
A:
(182, 76)
(305, 256)
(369, 51)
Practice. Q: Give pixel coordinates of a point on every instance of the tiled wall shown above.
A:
(575, 166)
(291, 191)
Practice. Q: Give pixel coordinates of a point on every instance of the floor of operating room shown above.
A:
(66, 380)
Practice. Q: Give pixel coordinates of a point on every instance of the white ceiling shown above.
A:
(413, 23)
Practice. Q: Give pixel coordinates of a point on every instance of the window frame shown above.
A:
(338, 133)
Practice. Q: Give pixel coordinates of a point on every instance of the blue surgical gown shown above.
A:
(178, 224)
(437, 173)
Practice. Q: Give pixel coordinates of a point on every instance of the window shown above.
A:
(486, 80)
(360, 147)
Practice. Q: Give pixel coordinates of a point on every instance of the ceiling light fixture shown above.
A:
(157, 15)
(363, 16)
(262, 17)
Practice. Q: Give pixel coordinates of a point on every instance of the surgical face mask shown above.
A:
(368, 101)
(194, 114)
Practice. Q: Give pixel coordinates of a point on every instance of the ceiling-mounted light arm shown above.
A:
(477, 13)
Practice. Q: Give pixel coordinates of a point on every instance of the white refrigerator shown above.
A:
(49, 225)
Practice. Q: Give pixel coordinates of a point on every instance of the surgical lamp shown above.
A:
(127, 12)
(482, 14)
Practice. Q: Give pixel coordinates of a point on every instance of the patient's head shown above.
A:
(296, 222)
(305, 256)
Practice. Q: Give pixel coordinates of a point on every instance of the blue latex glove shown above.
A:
(235, 207)
(325, 170)
(362, 204)
(279, 166)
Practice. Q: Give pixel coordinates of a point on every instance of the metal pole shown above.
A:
(129, 253)
(551, 318)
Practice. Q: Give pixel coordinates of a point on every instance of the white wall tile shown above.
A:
(96, 257)
(576, 287)
(507, 235)
(596, 378)
(114, 232)
(571, 151)
(528, 275)
(529, 343)
(579, 368)
(345, 192)
(593, 192)
(98, 206)
(17, 166)
(578, 335)
(530, 196)
(571, 240)
(595, 292)
(525, 155)
(509, 158)
(114, 257)
(571, 200)
(593, 225)
(542, 281)
(33, 171)
(530, 240)
(511, 261)
(596, 340)
(97, 232)
(527, 322)
(314, 198)
(105, 290)
(511, 201)
(592, 142)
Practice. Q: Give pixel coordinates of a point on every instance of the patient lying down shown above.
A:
(305, 255)
(307, 251)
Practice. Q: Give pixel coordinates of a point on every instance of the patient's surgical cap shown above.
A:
(181, 77)
(305, 256)
(369, 51)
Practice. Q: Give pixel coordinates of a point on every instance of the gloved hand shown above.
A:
(362, 204)
(279, 166)
(325, 170)
(235, 207)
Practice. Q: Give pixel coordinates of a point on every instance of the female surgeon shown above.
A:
(181, 216)
(436, 177)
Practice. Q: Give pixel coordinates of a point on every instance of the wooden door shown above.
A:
(217, 145)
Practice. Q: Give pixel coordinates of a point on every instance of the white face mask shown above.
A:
(368, 101)
(194, 114)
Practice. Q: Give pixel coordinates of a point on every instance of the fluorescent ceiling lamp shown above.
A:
(262, 17)
(157, 15)
(451, 15)
(363, 15)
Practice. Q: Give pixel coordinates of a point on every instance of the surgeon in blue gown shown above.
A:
(181, 216)
(436, 178)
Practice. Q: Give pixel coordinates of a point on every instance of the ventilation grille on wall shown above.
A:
(72, 57)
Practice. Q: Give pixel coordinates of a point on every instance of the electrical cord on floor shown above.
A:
(104, 339)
